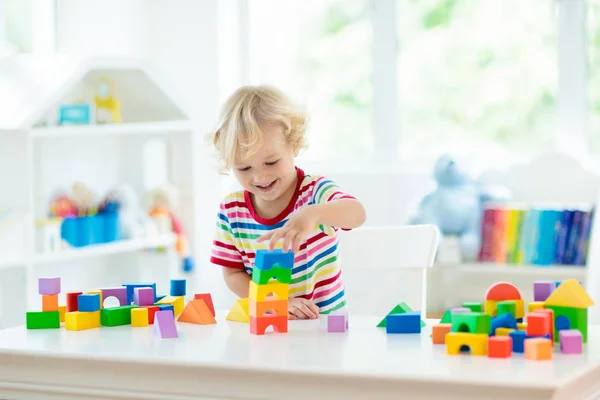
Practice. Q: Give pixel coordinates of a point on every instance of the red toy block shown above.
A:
(72, 302)
(551, 313)
(539, 324)
(501, 291)
(207, 299)
(258, 325)
(151, 311)
(499, 346)
(438, 333)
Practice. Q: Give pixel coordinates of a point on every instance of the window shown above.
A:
(27, 26)
(593, 66)
(319, 52)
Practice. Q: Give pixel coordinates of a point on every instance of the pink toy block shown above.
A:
(460, 309)
(571, 341)
(120, 293)
(49, 285)
(542, 290)
(164, 324)
(337, 322)
(143, 296)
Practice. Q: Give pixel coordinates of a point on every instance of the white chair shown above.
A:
(385, 266)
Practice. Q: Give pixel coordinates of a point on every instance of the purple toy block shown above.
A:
(164, 324)
(120, 293)
(337, 322)
(49, 285)
(571, 341)
(459, 309)
(543, 289)
(143, 296)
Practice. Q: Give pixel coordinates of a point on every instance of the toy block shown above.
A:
(522, 326)
(438, 333)
(93, 319)
(271, 275)
(337, 322)
(570, 318)
(72, 301)
(49, 302)
(120, 293)
(130, 290)
(164, 325)
(551, 313)
(258, 309)
(491, 308)
(176, 301)
(542, 290)
(400, 309)
(535, 305)
(62, 310)
(259, 293)
(502, 291)
(503, 331)
(476, 342)
(78, 320)
(473, 306)
(500, 347)
(88, 302)
(99, 293)
(446, 318)
(538, 349)
(571, 341)
(505, 320)
(42, 319)
(259, 325)
(139, 317)
(208, 300)
(460, 310)
(49, 285)
(239, 312)
(409, 322)
(143, 296)
(471, 322)
(539, 324)
(518, 340)
(159, 298)
(197, 312)
(503, 307)
(166, 307)
(151, 312)
(116, 316)
(570, 294)
(178, 287)
(271, 259)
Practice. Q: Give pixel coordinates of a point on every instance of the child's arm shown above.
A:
(237, 280)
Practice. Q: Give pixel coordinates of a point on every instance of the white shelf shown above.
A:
(12, 263)
(550, 271)
(121, 246)
(139, 128)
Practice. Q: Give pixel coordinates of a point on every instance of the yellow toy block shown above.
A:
(61, 312)
(477, 342)
(491, 308)
(259, 293)
(535, 305)
(522, 326)
(78, 321)
(570, 294)
(93, 319)
(139, 317)
(503, 331)
(176, 301)
(99, 293)
(239, 311)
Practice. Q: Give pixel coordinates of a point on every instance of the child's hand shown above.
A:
(294, 232)
(299, 308)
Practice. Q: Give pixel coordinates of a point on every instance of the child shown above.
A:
(259, 134)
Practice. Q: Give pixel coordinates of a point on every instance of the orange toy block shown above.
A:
(259, 309)
(499, 346)
(197, 312)
(502, 291)
(61, 312)
(438, 333)
(538, 349)
(539, 324)
(49, 302)
(207, 299)
(258, 325)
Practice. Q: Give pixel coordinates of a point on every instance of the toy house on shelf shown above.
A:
(83, 137)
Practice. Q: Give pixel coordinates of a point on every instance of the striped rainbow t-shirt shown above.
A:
(317, 273)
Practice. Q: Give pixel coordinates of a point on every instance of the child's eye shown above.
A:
(244, 169)
(272, 162)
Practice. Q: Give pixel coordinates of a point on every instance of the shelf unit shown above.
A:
(38, 157)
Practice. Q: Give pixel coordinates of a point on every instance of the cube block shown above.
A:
(337, 322)
(88, 302)
(543, 289)
(438, 333)
(403, 323)
(499, 346)
(538, 348)
(571, 341)
(49, 302)
(139, 317)
(538, 324)
(503, 307)
(49, 285)
(178, 287)
(143, 296)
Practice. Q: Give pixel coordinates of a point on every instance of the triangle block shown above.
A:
(401, 308)
(164, 325)
(447, 317)
(239, 311)
(569, 294)
(197, 312)
(208, 300)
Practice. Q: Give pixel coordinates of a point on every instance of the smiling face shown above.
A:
(269, 174)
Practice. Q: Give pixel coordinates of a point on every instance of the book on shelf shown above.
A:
(536, 235)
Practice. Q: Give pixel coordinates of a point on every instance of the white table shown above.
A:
(224, 361)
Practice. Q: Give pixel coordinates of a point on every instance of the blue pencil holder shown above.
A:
(93, 229)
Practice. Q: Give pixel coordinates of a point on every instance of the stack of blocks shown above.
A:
(272, 273)
(51, 315)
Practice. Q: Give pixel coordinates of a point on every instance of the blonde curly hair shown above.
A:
(243, 117)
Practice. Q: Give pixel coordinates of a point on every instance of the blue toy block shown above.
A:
(177, 287)
(506, 320)
(518, 340)
(130, 289)
(267, 259)
(159, 298)
(409, 322)
(164, 307)
(88, 302)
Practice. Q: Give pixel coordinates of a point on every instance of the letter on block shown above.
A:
(259, 293)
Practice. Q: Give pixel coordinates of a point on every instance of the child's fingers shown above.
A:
(264, 237)
(275, 236)
(289, 238)
(306, 310)
(313, 307)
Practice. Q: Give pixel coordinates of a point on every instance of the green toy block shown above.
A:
(116, 316)
(447, 317)
(473, 322)
(42, 320)
(504, 307)
(570, 318)
(398, 309)
(473, 306)
(281, 275)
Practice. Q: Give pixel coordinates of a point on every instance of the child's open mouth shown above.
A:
(267, 187)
